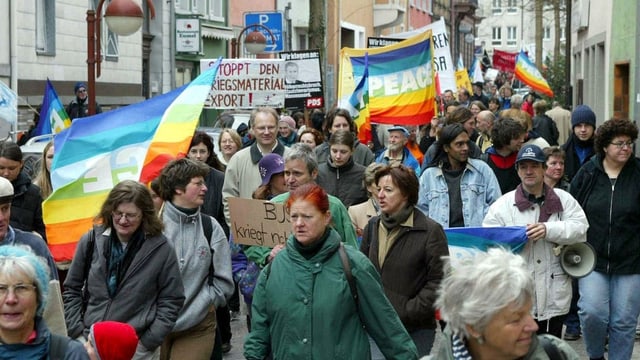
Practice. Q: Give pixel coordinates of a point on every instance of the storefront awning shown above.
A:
(217, 33)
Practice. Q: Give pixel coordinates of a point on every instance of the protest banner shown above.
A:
(246, 83)
(258, 222)
(303, 80)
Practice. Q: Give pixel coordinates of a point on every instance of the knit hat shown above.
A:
(114, 340)
(530, 152)
(289, 121)
(79, 85)
(270, 164)
(583, 114)
(6, 191)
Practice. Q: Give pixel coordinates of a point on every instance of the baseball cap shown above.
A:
(530, 152)
(6, 191)
(270, 164)
(399, 128)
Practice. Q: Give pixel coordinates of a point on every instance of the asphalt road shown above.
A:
(239, 330)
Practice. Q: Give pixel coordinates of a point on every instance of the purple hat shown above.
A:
(269, 165)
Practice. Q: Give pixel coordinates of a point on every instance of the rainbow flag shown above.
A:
(400, 80)
(465, 241)
(527, 72)
(358, 105)
(53, 116)
(97, 152)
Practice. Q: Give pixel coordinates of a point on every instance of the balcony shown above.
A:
(388, 13)
(465, 6)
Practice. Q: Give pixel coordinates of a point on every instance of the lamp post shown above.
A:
(124, 17)
(255, 41)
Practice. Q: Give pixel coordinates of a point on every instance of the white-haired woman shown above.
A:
(486, 302)
(24, 281)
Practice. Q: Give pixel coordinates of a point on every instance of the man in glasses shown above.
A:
(79, 107)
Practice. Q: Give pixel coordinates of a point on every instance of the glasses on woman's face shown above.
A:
(19, 290)
(118, 215)
(622, 144)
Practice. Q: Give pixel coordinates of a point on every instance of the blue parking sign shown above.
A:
(274, 22)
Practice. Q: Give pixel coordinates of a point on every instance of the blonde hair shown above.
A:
(43, 179)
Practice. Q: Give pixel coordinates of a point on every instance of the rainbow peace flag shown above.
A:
(358, 105)
(527, 72)
(53, 116)
(400, 80)
(97, 152)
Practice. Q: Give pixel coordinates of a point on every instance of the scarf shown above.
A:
(391, 221)
(459, 348)
(119, 259)
(550, 206)
(309, 251)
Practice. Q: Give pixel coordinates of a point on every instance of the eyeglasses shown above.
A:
(198, 183)
(622, 144)
(19, 290)
(117, 216)
(82, 91)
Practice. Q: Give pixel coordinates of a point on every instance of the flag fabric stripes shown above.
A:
(97, 152)
(527, 72)
(53, 116)
(400, 80)
(465, 241)
(357, 105)
(8, 104)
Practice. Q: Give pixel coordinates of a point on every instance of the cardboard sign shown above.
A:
(258, 222)
(246, 83)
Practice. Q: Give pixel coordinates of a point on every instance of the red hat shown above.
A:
(114, 340)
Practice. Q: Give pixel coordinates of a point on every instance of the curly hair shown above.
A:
(611, 129)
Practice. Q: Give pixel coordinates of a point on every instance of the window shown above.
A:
(45, 27)
(563, 33)
(216, 10)
(512, 35)
(108, 39)
(209, 9)
(496, 7)
(496, 36)
(546, 35)
(512, 6)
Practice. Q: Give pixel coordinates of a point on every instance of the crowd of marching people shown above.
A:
(366, 272)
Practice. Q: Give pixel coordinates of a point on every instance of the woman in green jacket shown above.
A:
(303, 306)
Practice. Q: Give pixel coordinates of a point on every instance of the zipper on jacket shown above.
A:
(613, 187)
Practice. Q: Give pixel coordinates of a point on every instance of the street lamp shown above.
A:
(255, 41)
(124, 17)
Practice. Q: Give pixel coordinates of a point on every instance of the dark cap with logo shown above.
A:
(530, 152)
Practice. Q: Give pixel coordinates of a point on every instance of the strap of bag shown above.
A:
(207, 228)
(552, 351)
(87, 267)
(346, 266)
(58, 347)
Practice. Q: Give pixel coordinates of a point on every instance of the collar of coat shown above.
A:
(551, 204)
(256, 155)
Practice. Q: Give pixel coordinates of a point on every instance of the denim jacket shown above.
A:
(479, 188)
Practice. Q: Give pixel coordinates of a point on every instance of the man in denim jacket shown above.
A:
(456, 191)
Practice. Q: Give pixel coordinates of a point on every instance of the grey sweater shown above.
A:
(194, 254)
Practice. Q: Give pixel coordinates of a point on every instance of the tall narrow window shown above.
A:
(496, 36)
(512, 35)
(45, 27)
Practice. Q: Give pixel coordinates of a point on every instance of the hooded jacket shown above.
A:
(343, 182)
(26, 207)
(195, 255)
(149, 296)
(613, 212)
(303, 309)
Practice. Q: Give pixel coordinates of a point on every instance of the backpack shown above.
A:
(58, 347)
(207, 229)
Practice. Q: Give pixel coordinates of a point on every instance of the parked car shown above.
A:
(32, 153)
(239, 117)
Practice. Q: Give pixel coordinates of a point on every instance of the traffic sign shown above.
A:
(274, 22)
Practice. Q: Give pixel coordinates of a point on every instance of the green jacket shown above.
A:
(536, 352)
(341, 223)
(303, 309)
